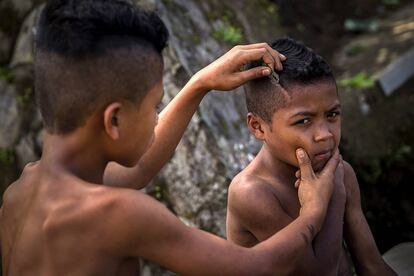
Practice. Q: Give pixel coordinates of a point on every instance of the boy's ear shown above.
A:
(111, 120)
(255, 125)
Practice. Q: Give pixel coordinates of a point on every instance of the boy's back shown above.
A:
(48, 218)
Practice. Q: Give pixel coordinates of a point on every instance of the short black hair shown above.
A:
(301, 67)
(92, 52)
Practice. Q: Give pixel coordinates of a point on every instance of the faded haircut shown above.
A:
(92, 52)
(302, 67)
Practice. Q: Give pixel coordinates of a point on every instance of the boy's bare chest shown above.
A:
(288, 199)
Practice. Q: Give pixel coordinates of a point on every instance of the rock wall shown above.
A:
(20, 124)
(217, 145)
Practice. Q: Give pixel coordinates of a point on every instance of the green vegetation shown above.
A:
(402, 153)
(24, 97)
(355, 50)
(228, 33)
(158, 192)
(224, 25)
(373, 170)
(5, 74)
(7, 156)
(270, 7)
(196, 38)
(359, 81)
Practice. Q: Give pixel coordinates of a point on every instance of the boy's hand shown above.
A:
(339, 180)
(226, 73)
(315, 190)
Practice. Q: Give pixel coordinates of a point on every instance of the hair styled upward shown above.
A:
(301, 67)
(90, 53)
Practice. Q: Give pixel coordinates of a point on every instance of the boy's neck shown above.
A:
(73, 154)
(275, 168)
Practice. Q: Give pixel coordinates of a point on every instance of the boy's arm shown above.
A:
(260, 212)
(358, 236)
(147, 229)
(222, 74)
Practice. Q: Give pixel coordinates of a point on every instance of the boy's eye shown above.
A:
(333, 114)
(303, 121)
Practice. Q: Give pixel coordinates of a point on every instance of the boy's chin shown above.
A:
(319, 165)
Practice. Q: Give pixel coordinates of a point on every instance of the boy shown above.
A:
(98, 79)
(300, 108)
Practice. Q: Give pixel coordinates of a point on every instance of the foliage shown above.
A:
(359, 81)
(159, 191)
(355, 50)
(5, 74)
(23, 98)
(270, 7)
(402, 153)
(7, 156)
(228, 33)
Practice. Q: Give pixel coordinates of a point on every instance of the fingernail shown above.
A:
(282, 56)
(301, 154)
(266, 72)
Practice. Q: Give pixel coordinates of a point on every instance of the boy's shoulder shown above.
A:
(246, 184)
(255, 206)
(252, 196)
(350, 180)
(74, 205)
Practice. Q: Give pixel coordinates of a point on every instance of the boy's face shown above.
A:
(142, 120)
(310, 120)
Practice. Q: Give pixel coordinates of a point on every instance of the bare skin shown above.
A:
(58, 218)
(262, 198)
(261, 205)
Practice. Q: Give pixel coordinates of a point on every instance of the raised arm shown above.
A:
(358, 236)
(223, 74)
(153, 233)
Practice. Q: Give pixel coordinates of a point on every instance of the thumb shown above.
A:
(305, 166)
(253, 73)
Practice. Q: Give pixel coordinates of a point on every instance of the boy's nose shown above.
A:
(323, 133)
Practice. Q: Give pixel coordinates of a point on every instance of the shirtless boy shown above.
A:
(98, 79)
(300, 110)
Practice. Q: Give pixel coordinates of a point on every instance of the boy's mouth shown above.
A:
(323, 155)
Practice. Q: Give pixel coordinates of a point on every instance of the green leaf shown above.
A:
(359, 81)
(228, 33)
